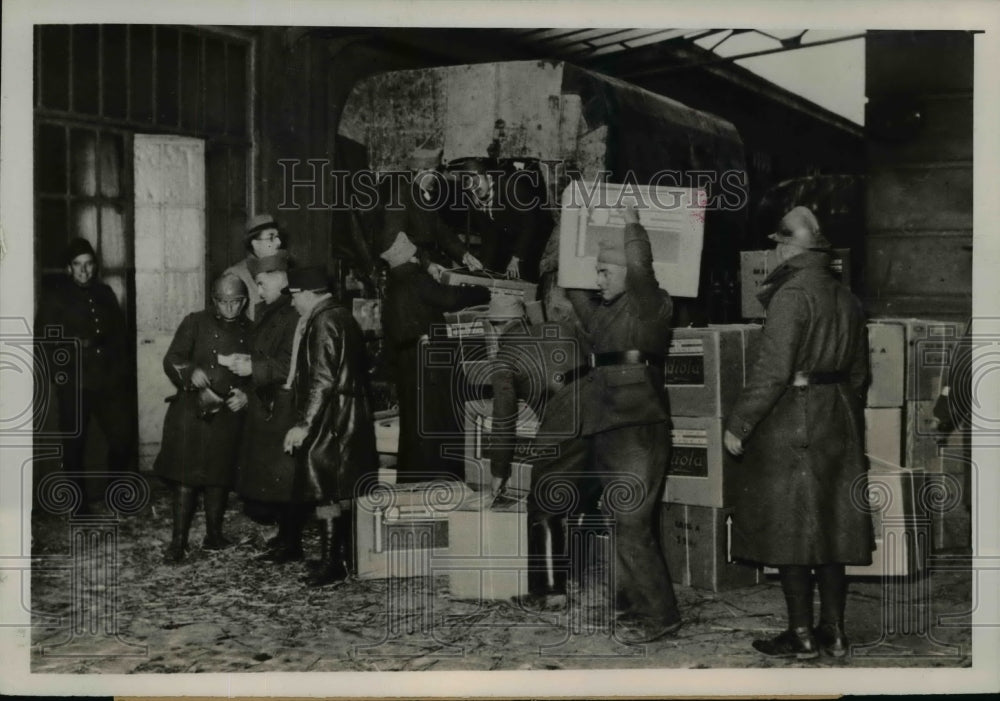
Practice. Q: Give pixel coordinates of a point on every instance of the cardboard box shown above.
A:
(884, 434)
(696, 544)
(901, 525)
(951, 497)
(700, 472)
(399, 527)
(887, 365)
(488, 557)
(706, 368)
(927, 354)
(478, 424)
(527, 291)
(673, 217)
(462, 352)
(757, 265)
(922, 445)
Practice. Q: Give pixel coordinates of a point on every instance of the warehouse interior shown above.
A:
(262, 111)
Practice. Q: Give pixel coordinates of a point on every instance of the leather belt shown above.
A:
(804, 379)
(629, 357)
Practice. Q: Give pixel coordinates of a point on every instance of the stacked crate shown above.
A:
(909, 365)
(705, 370)
(478, 429)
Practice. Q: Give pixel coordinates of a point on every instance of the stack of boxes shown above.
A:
(705, 370)
(909, 364)
(478, 429)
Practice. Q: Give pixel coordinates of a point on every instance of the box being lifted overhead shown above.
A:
(674, 218)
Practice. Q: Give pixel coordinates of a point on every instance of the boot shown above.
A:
(184, 501)
(547, 564)
(798, 640)
(288, 542)
(334, 536)
(215, 510)
(794, 642)
(829, 633)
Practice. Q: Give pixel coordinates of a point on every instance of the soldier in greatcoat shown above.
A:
(625, 415)
(266, 474)
(333, 435)
(204, 422)
(799, 424)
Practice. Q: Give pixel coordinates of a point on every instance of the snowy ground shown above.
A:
(227, 612)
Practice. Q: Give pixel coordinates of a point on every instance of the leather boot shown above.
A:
(215, 510)
(829, 633)
(183, 505)
(288, 543)
(794, 642)
(332, 567)
(547, 564)
(798, 640)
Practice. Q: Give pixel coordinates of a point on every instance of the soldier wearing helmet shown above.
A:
(202, 429)
(799, 427)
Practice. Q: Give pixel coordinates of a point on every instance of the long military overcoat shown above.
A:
(333, 403)
(196, 451)
(266, 471)
(801, 495)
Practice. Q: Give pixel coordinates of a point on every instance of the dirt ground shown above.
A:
(228, 612)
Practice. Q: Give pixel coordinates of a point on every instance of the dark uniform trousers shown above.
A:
(632, 464)
(625, 413)
(91, 320)
(110, 409)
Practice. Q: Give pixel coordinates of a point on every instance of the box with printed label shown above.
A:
(488, 557)
(927, 354)
(700, 471)
(696, 545)
(478, 424)
(755, 266)
(706, 368)
(399, 527)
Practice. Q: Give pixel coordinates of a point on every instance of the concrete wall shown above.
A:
(919, 195)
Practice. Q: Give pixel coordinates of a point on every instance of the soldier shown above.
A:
(800, 420)
(333, 435)
(625, 415)
(414, 301)
(416, 216)
(541, 364)
(266, 471)
(86, 310)
(507, 213)
(204, 422)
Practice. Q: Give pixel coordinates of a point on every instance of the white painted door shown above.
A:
(169, 178)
